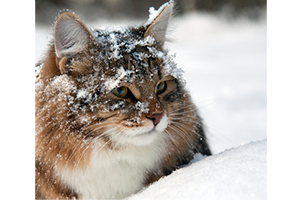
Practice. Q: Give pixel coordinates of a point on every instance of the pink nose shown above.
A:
(155, 118)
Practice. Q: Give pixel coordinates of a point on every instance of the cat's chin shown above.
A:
(146, 135)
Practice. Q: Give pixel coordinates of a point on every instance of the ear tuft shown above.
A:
(158, 22)
(70, 35)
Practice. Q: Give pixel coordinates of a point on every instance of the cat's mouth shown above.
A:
(142, 135)
(150, 129)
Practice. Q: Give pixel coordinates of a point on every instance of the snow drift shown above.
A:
(238, 173)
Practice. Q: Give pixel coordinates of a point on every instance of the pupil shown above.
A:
(121, 90)
(160, 86)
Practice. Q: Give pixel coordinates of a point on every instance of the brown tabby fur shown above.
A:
(64, 139)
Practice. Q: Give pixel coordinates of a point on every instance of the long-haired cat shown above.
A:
(112, 113)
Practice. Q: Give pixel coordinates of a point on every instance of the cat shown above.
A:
(112, 111)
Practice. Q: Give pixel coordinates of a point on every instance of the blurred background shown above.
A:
(221, 45)
(45, 10)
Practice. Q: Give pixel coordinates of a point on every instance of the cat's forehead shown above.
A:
(115, 42)
(124, 55)
(120, 35)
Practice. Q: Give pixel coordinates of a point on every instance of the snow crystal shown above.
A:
(142, 107)
(63, 83)
(82, 93)
(39, 85)
(170, 67)
(118, 105)
(38, 67)
(111, 83)
(114, 47)
(154, 13)
(84, 119)
(149, 40)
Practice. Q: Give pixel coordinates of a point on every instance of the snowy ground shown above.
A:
(225, 69)
(235, 174)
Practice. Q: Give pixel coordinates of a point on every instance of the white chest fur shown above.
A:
(115, 174)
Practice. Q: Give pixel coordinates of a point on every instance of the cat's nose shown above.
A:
(155, 118)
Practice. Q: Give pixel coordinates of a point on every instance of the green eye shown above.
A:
(161, 87)
(120, 91)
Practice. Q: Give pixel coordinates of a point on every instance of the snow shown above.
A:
(238, 173)
(112, 39)
(112, 83)
(142, 107)
(224, 64)
(154, 13)
(82, 93)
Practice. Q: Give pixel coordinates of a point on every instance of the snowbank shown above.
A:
(239, 173)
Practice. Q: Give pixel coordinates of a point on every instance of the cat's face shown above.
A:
(126, 89)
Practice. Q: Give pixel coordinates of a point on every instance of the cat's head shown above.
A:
(118, 83)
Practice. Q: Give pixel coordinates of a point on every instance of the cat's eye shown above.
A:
(120, 91)
(161, 87)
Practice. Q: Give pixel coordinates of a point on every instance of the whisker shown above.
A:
(184, 107)
(201, 137)
(76, 147)
(189, 113)
(94, 140)
(221, 137)
(182, 111)
(170, 135)
(194, 120)
(119, 137)
(178, 132)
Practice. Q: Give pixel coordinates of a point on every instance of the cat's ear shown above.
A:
(71, 36)
(158, 27)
